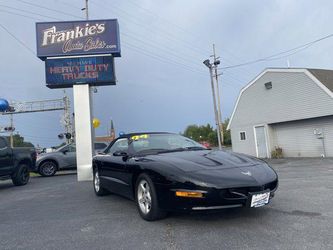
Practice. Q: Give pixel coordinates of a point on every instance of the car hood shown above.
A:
(219, 168)
(198, 160)
(47, 155)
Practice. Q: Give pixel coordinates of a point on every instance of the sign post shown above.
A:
(80, 54)
(84, 135)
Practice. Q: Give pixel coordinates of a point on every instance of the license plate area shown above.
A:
(259, 199)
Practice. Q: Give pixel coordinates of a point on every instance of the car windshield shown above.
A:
(161, 143)
(62, 148)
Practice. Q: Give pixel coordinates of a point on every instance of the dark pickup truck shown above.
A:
(16, 163)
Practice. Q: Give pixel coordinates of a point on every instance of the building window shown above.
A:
(242, 136)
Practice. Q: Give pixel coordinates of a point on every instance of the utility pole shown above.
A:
(220, 124)
(86, 10)
(210, 67)
(11, 131)
(67, 119)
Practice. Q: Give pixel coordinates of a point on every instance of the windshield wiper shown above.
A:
(172, 150)
(196, 148)
(149, 151)
(161, 151)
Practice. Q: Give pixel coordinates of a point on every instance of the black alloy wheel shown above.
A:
(22, 175)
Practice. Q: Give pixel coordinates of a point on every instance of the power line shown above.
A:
(188, 67)
(168, 61)
(169, 51)
(275, 56)
(17, 14)
(167, 35)
(182, 29)
(17, 39)
(174, 25)
(30, 12)
(133, 47)
(70, 5)
(50, 9)
(41, 137)
(157, 57)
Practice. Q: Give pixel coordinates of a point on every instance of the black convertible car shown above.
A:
(167, 172)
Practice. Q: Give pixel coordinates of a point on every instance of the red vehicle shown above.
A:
(205, 144)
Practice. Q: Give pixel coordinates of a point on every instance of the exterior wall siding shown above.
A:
(247, 146)
(297, 139)
(294, 96)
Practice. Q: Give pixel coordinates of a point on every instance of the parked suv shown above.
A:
(16, 163)
(63, 158)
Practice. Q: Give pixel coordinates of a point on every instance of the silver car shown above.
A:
(64, 158)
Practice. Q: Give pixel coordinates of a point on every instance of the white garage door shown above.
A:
(298, 139)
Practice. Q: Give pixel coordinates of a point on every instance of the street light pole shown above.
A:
(207, 63)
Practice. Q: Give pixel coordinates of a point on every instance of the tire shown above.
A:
(146, 199)
(99, 190)
(47, 168)
(22, 175)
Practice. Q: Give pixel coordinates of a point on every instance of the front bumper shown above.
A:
(213, 199)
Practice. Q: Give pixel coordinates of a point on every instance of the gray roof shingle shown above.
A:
(325, 76)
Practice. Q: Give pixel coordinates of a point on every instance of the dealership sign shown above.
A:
(77, 38)
(66, 72)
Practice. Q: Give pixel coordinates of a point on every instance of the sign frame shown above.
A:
(70, 84)
(111, 22)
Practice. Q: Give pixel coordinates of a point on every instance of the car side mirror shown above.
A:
(120, 153)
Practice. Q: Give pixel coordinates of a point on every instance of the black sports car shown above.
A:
(164, 172)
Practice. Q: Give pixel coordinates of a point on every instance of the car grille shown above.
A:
(243, 192)
(271, 185)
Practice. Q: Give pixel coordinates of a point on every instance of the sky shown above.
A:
(162, 82)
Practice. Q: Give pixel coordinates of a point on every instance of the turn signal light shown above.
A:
(189, 194)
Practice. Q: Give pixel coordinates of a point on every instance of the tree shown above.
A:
(226, 133)
(18, 141)
(208, 133)
(201, 133)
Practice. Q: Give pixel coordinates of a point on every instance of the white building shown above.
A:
(287, 108)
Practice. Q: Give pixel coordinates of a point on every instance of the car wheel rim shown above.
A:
(144, 197)
(96, 181)
(48, 169)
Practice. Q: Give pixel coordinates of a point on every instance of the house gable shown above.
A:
(295, 94)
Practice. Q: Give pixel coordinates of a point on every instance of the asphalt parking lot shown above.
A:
(61, 213)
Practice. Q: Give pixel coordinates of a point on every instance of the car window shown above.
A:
(71, 148)
(99, 145)
(68, 148)
(64, 149)
(154, 142)
(3, 143)
(119, 145)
